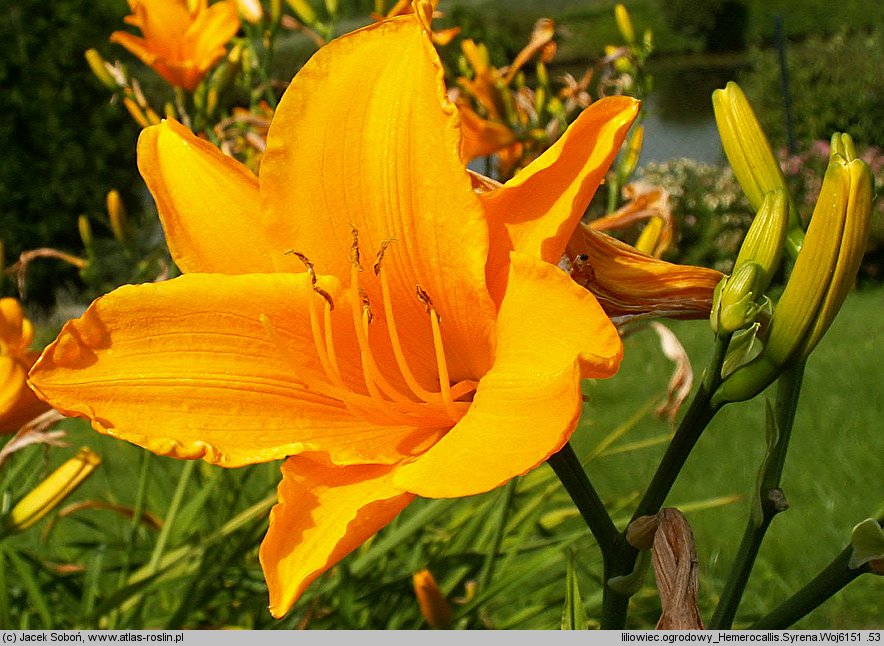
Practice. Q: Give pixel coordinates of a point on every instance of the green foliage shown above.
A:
(63, 145)
(835, 85)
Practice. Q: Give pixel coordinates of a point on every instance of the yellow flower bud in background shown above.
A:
(116, 213)
(99, 68)
(650, 236)
(332, 7)
(275, 10)
(434, 606)
(629, 160)
(624, 24)
(250, 10)
(85, 230)
(823, 275)
(51, 492)
(136, 112)
(303, 11)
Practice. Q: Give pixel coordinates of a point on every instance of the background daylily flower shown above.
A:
(358, 310)
(17, 403)
(181, 45)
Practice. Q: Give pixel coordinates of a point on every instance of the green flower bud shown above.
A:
(739, 297)
(823, 275)
(745, 144)
(624, 24)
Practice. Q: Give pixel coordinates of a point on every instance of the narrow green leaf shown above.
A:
(573, 614)
(29, 580)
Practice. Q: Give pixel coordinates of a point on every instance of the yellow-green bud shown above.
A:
(116, 213)
(738, 297)
(650, 235)
(303, 11)
(250, 10)
(51, 492)
(85, 230)
(746, 146)
(733, 301)
(99, 69)
(629, 160)
(332, 7)
(823, 274)
(766, 236)
(624, 24)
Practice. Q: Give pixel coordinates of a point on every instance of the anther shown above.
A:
(380, 257)
(354, 248)
(366, 306)
(424, 298)
(310, 270)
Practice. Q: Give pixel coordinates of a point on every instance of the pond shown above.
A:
(679, 120)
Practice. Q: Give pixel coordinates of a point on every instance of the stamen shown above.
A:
(419, 391)
(441, 363)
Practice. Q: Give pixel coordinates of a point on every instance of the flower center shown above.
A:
(409, 401)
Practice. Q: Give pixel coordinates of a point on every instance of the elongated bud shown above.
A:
(738, 298)
(99, 69)
(51, 492)
(303, 11)
(650, 236)
(629, 161)
(332, 7)
(136, 112)
(746, 145)
(434, 606)
(275, 10)
(116, 213)
(823, 274)
(85, 230)
(624, 24)
(766, 236)
(250, 10)
(750, 154)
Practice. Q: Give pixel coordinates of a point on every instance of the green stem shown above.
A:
(700, 413)
(771, 500)
(573, 476)
(832, 579)
(171, 514)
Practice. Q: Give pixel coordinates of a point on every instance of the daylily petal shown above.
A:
(536, 211)
(376, 149)
(211, 30)
(18, 404)
(222, 368)
(323, 514)
(208, 202)
(551, 333)
(481, 137)
(136, 45)
(629, 283)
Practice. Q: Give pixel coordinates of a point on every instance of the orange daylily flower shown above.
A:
(17, 402)
(630, 284)
(181, 45)
(358, 310)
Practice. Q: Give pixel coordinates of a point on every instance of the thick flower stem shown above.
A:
(573, 476)
(700, 413)
(771, 500)
(836, 576)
